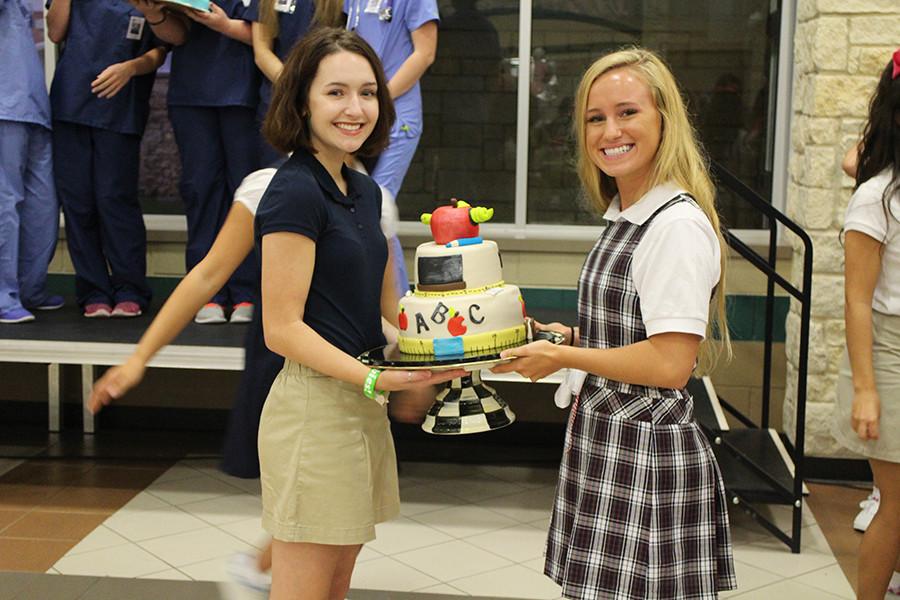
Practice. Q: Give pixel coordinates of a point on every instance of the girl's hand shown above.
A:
(115, 383)
(865, 414)
(215, 19)
(153, 11)
(391, 381)
(112, 79)
(534, 361)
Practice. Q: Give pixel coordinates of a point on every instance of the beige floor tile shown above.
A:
(518, 543)
(788, 589)
(426, 498)
(248, 530)
(780, 560)
(194, 546)
(830, 579)
(194, 489)
(150, 518)
(477, 490)
(168, 574)
(463, 521)
(388, 574)
(750, 578)
(403, 534)
(515, 581)
(452, 560)
(525, 507)
(225, 509)
(100, 538)
(120, 561)
(443, 588)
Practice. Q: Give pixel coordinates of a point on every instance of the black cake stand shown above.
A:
(466, 405)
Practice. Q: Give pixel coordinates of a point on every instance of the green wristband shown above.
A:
(369, 385)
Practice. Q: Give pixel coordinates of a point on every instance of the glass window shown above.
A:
(720, 52)
(468, 145)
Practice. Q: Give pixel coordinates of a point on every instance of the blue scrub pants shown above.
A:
(389, 172)
(97, 181)
(29, 213)
(219, 147)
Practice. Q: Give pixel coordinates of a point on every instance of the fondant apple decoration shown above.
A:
(455, 324)
(402, 319)
(456, 221)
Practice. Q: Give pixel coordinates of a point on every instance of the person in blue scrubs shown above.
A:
(100, 98)
(277, 26)
(404, 35)
(212, 98)
(29, 213)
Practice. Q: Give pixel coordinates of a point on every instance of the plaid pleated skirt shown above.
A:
(640, 509)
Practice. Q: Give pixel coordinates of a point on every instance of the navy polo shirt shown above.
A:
(98, 36)
(344, 301)
(291, 27)
(212, 69)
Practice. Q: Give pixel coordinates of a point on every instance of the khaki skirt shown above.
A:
(886, 362)
(327, 460)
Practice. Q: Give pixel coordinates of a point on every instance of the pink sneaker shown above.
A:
(97, 310)
(127, 309)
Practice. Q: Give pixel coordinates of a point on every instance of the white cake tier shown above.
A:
(471, 267)
(484, 321)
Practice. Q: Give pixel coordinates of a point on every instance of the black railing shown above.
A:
(767, 265)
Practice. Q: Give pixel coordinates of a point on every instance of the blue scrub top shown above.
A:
(211, 69)
(392, 40)
(291, 27)
(23, 97)
(98, 36)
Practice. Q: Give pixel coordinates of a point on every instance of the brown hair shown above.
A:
(328, 13)
(286, 126)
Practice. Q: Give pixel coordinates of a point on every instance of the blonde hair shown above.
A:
(328, 13)
(678, 159)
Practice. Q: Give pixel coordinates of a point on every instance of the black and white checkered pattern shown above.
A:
(640, 510)
(467, 405)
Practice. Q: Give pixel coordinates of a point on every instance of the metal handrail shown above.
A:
(803, 295)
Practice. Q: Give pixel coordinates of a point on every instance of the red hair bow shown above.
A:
(896, 64)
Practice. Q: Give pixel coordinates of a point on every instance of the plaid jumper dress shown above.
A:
(640, 507)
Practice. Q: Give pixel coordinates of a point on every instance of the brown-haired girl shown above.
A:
(327, 460)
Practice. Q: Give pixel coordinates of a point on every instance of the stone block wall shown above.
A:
(840, 47)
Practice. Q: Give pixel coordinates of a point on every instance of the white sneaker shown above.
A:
(894, 585)
(244, 570)
(211, 313)
(869, 507)
(242, 313)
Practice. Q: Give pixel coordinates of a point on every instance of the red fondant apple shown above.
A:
(457, 221)
(402, 320)
(455, 324)
(450, 223)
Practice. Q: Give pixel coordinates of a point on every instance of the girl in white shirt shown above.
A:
(640, 511)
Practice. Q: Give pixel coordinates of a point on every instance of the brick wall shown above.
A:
(840, 47)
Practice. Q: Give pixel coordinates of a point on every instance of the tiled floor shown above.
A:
(463, 530)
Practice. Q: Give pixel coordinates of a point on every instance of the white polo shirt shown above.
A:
(676, 264)
(865, 214)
